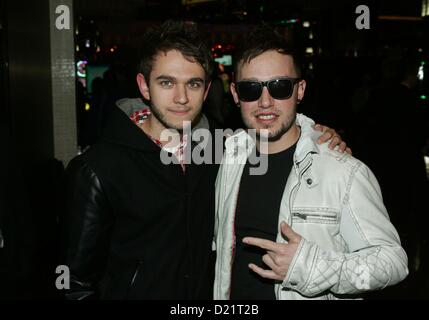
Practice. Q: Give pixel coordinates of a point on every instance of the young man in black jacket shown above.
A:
(139, 228)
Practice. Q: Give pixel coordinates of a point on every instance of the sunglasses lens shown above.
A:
(249, 91)
(281, 89)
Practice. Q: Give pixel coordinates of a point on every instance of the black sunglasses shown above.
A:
(280, 88)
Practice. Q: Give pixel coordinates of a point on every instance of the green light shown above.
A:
(423, 63)
(423, 97)
(261, 8)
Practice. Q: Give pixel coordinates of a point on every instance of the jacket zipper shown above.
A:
(136, 272)
(292, 194)
(304, 216)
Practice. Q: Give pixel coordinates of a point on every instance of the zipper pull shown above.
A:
(300, 215)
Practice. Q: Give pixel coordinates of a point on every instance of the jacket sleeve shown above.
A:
(88, 225)
(375, 258)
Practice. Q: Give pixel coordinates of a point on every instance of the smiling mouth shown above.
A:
(267, 117)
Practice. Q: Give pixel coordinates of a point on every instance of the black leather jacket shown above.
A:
(138, 229)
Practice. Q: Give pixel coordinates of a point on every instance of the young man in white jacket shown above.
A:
(313, 226)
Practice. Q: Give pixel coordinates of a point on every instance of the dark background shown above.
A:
(349, 76)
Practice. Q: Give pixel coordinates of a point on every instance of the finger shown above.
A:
(261, 243)
(268, 259)
(342, 147)
(349, 151)
(289, 233)
(275, 264)
(272, 255)
(268, 274)
(328, 134)
(335, 141)
(319, 127)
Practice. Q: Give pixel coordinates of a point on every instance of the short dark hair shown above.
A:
(174, 35)
(262, 39)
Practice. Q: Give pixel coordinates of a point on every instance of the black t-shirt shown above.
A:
(257, 214)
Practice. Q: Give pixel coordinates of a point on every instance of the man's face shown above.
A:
(176, 89)
(277, 116)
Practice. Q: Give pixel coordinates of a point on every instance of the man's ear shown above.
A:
(143, 86)
(301, 89)
(207, 90)
(234, 93)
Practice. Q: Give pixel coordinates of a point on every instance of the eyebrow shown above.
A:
(273, 78)
(170, 78)
(195, 80)
(163, 77)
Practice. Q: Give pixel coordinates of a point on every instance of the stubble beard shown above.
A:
(274, 136)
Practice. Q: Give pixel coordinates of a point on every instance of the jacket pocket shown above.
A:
(324, 216)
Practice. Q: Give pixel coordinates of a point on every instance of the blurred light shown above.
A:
(421, 73)
(87, 43)
(290, 21)
(310, 35)
(306, 24)
(245, 13)
(400, 18)
(420, 50)
(310, 66)
(423, 63)
(87, 106)
(80, 66)
(309, 50)
(77, 31)
(112, 49)
(261, 9)
(77, 48)
(425, 8)
(423, 97)
(98, 49)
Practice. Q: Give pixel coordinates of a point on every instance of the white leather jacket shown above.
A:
(334, 202)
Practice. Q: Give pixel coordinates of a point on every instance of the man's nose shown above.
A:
(265, 101)
(181, 95)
